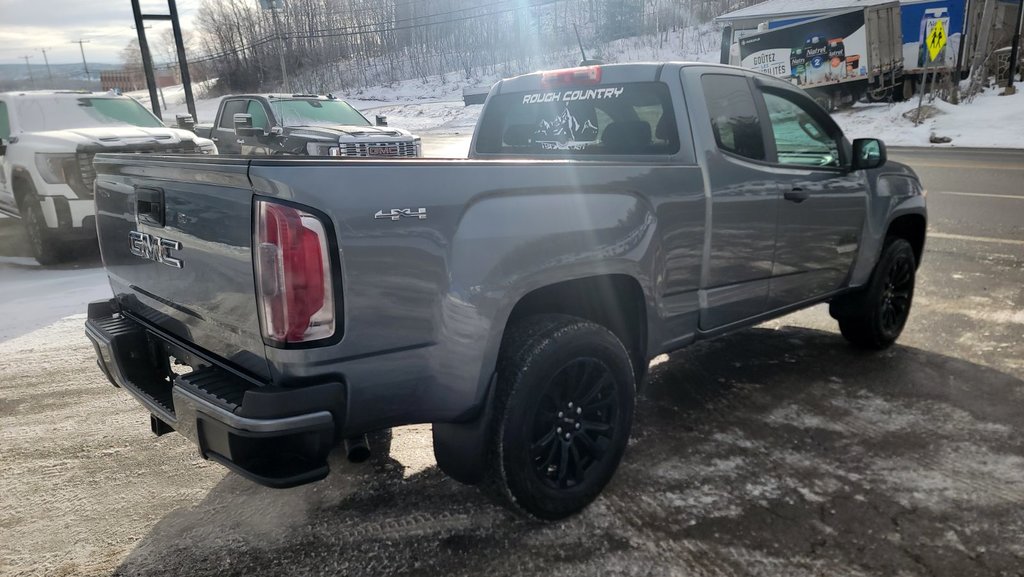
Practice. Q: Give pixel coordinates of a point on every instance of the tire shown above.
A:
(46, 249)
(563, 410)
(874, 317)
(880, 95)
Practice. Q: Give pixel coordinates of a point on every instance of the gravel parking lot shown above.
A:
(776, 451)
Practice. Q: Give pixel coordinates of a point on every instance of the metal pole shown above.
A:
(81, 48)
(280, 46)
(924, 86)
(1014, 51)
(147, 62)
(958, 75)
(186, 78)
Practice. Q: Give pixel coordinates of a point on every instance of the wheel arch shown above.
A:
(21, 184)
(910, 227)
(614, 301)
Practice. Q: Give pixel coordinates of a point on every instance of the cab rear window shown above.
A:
(619, 119)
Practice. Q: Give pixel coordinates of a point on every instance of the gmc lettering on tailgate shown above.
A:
(154, 248)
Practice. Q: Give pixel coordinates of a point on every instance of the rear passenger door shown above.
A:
(740, 245)
(224, 132)
(822, 205)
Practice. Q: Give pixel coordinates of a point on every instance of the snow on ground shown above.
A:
(990, 121)
(35, 296)
(174, 97)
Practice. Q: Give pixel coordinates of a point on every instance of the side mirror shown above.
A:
(243, 126)
(184, 121)
(3, 147)
(868, 153)
(382, 120)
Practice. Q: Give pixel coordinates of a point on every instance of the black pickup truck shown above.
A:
(271, 309)
(303, 125)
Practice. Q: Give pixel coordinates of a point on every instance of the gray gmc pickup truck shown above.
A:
(271, 310)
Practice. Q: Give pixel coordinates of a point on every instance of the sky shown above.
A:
(26, 26)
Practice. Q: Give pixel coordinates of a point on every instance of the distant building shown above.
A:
(127, 79)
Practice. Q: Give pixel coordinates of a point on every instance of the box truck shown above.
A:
(838, 58)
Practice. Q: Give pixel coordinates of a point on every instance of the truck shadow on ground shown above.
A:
(774, 452)
(14, 243)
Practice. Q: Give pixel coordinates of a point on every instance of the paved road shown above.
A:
(777, 450)
(972, 192)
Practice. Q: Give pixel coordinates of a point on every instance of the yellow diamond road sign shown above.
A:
(936, 40)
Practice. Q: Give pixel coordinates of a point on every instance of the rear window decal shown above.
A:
(565, 132)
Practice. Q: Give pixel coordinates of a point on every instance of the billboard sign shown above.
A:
(817, 52)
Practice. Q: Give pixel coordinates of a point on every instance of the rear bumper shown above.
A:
(273, 436)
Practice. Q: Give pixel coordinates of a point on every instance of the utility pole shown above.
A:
(49, 75)
(31, 80)
(274, 6)
(85, 64)
(1015, 50)
(280, 48)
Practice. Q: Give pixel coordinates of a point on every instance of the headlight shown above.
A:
(322, 148)
(53, 167)
(419, 147)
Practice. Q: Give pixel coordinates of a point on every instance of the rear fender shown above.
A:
(510, 245)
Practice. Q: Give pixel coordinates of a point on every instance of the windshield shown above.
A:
(57, 113)
(316, 113)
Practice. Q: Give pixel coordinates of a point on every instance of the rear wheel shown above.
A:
(875, 317)
(46, 249)
(564, 407)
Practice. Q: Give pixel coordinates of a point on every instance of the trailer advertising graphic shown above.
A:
(819, 52)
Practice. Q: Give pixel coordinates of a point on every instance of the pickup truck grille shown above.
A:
(82, 183)
(378, 149)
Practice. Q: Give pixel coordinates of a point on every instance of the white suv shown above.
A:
(47, 143)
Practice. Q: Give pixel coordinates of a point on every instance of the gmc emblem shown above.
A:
(154, 248)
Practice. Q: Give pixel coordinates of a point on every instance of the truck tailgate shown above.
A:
(176, 239)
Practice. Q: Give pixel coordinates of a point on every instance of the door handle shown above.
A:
(214, 138)
(797, 195)
(239, 141)
(149, 206)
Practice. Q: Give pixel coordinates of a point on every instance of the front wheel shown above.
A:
(564, 407)
(46, 249)
(874, 317)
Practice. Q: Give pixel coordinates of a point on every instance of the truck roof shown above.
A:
(284, 96)
(611, 73)
(30, 94)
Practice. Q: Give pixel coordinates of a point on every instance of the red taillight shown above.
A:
(571, 76)
(293, 275)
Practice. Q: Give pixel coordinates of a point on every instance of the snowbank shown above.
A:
(990, 121)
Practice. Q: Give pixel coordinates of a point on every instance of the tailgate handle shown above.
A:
(149, 205)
